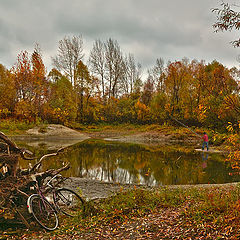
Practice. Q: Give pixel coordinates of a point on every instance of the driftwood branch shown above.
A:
(11, 144)
(15, 185)
(38, 164)
(12, 147)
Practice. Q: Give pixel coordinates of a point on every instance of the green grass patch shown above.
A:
(15, 127)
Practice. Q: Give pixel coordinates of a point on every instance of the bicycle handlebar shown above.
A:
(54, 177)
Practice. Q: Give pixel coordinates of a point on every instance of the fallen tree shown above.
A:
(16, 184)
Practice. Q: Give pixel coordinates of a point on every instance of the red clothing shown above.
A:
(205, 138)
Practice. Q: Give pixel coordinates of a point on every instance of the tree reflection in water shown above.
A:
(141, 164)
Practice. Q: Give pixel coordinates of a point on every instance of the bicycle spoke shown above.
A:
(43, 212)
(69, 202)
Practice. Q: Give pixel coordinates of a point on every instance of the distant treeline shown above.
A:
(109, 87)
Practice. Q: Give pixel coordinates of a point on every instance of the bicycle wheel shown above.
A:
(43, 212)
(69, 202)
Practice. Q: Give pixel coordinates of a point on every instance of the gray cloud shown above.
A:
(147, 28)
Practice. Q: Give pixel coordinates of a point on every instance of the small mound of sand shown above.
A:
(55, 130)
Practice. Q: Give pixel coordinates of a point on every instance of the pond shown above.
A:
(111, 161)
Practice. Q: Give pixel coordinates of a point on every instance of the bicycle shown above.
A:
(44, 208)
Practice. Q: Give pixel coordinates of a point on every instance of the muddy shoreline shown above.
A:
(94, 189)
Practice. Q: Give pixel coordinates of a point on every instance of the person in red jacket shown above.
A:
(205, 141)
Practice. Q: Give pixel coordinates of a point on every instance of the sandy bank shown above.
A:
(52, 136)
(55, 131)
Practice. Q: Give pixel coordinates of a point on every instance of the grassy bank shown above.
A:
(194, 213)
(15, 127)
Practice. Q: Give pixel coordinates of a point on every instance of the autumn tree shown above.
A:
(7, 92)
(62, 103)
(198, 73)
(228, 19)
(83, 80)
(114, 67)
(118, 75)
(70, 52)
(231, 103)
(158, 75)
(93, 103)
(176, 81)
(23, 77)
(148, 91)
(97, 62)
(31, 84)
(131, 78)
(231, 108)
(143, 114)
(54, 75)
(215, 84)
(219, 80)
(39, 81)
(158, 107)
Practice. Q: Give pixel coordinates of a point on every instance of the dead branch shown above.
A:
(12, 147)
(11, 144)
(16, 184)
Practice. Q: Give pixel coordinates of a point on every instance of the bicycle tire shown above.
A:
(69, 202)
(43, 212)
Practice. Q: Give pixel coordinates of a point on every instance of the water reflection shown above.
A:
(139, 164)
(204, 158)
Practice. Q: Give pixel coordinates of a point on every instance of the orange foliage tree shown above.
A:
(194, 92)
(175, 83)
(7, 93)
(31, 85)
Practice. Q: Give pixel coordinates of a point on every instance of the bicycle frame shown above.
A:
(41, 194)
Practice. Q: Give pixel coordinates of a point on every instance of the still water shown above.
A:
(138, 164)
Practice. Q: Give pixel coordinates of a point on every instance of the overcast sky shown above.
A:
(149, 29)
